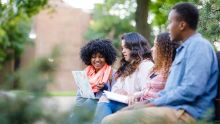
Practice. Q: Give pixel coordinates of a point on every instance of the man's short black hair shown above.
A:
(102, 46)
(188, 13)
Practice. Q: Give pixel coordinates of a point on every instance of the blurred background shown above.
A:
(40, 40)
(31, 29)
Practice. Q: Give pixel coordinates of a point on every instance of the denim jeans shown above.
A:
(104, 109)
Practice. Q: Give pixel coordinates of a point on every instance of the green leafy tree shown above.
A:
(209, 24)
(28, 105)
(15, 18)
(160, 9)
(113, 18)
(209, 16)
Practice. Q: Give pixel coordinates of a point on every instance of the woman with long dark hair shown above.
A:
(135, 63)
(163, 53)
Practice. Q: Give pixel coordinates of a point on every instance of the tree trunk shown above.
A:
(7, 69)
(141, 16)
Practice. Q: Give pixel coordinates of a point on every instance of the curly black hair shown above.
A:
(102, 46)
(188, 13)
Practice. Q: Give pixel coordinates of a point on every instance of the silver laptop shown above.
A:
(82, 84)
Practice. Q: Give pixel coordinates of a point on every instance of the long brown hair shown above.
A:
(165, 52)
(139, 51)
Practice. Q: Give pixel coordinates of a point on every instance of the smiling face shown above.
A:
(98, 61)
(125, 51)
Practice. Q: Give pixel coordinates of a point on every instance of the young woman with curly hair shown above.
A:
(163, 53)
(135, 63)
(98, 55)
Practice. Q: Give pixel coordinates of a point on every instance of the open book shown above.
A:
(82, 84)
(116, 97)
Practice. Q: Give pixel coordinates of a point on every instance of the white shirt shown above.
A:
(136, 81)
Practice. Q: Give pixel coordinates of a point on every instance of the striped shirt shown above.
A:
(156, 82)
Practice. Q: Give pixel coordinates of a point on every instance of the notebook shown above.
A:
(116, 97)
(82, 84)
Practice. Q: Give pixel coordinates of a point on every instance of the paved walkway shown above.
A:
(62, 103)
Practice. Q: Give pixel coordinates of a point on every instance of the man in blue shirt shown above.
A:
(192, 83)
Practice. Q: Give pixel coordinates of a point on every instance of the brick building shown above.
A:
(65, 27)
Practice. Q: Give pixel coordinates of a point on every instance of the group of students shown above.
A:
(174, 81)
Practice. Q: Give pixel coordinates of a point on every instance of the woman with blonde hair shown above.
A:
(163, 53)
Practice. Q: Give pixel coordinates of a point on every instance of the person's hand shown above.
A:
(137, 105)
(121, 91)
(103, 98)
(100, 85)
(132, 99)
(150, 105)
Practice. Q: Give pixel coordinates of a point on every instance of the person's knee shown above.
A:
(103, 104)
(117, 118)
(107, 120)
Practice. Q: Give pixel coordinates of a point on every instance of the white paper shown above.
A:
(116, 97)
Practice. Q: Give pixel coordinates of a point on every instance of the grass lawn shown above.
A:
(60, 93)
(48, 93)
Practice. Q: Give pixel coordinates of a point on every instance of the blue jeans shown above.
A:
(104, 109)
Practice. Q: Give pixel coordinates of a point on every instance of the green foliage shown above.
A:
(28, 106)
(112, 19)
(160, 9)
(16, 34)
(15, 18)
(17, 108)
(41, 72)
(209, 16)
(209, 24)
(82, 115)
(60, 93)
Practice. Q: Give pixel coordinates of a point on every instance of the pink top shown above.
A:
(156, 82)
